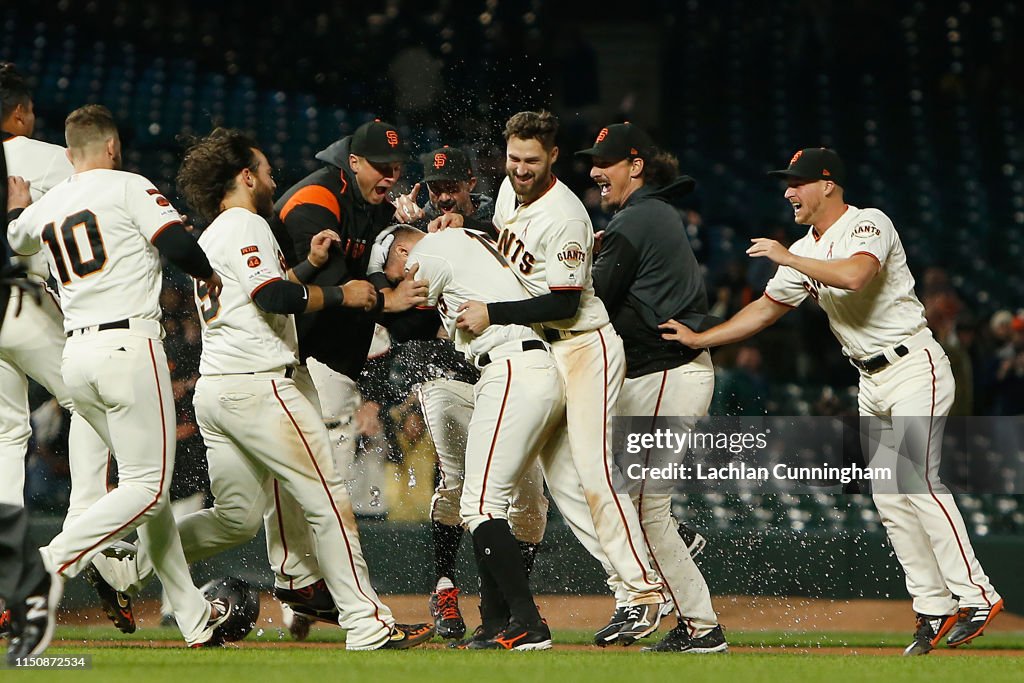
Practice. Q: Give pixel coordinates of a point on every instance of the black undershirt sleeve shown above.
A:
(282, 296)
(557, 305)
(182, 250)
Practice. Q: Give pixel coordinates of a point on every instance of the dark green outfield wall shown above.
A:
(809, 564)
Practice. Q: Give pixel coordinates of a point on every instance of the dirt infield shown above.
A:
(738, 613)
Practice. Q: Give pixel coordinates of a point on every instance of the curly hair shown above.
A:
(540, 125)
(210, 167)
(14, 90)
(661, 168)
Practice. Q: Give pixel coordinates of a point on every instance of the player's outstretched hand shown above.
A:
(320, 245)
(407, 293)
(676, 331)
(18, 195)
(445, 221)
(474, 318)
(214, 285)
(406, 208)
(359, 294)
(771, 249)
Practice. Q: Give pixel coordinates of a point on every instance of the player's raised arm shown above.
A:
(751, 319)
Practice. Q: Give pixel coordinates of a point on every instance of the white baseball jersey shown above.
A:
(238, 336)
(97, 228)
(43, 165)
(885, 312)
(550, 244)
(463, 265)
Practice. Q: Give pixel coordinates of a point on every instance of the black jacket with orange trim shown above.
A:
(329, 199)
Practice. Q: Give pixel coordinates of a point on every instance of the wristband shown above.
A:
(333, 296)
(305, 271)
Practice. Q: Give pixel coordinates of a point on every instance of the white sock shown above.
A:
(444, 583)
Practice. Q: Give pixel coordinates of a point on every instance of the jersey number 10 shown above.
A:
(66, 236)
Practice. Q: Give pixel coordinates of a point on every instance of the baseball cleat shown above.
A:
(313, 601)
(970, 623)
(405, 636)
(298, 625)
(480, 633)
(641, 621)
(680, 640)
(220, 611)
(444, 608)
(517, 636)
(930, 630)
(116, 605)
(608, 634)
(33, 622)
(694, 541)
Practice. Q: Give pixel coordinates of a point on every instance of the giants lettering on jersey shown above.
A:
(812, 287)
(354, 248)
(513, 249)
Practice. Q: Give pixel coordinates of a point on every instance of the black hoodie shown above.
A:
(329, 199)
(646, 273)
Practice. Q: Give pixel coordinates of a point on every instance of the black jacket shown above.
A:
(329, 198)
(646, 273)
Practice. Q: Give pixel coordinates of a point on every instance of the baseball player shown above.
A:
(546, 235)
(447, 403)
(348, 194)
(644, 274)
(257, 423)
(103, 231)
(32, 592)
(518, 401)
(853, 264)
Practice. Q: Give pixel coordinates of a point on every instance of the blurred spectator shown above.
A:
(1008, 389)
(411, 481)
(730, 291)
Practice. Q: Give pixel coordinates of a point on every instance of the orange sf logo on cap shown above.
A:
(795, 157)
(601, 136)
(439, 160)
(392, 138)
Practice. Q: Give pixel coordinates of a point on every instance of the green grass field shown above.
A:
(771, 659)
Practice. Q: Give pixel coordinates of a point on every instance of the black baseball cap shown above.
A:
(815, 163)
(446, 163)
(620, 141)
(379, 143)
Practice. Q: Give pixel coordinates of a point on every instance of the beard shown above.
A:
(264, 201)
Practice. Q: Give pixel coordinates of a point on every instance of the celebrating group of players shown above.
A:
(289, 295)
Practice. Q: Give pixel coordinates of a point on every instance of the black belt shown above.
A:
(876, 363)
(288, 372)
(528, 345)
(556, 335)
(116, 325)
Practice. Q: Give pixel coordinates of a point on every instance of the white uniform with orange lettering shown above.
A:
(550, 244)
(31, 343)
(96, 229)
(518, 400)
(258, 426)
(906, 403)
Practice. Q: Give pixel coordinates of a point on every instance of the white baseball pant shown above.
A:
(686, 392)
(447, 406)
(579, 467)
(119, 382)
(260, 427)
(905, 405)
(31, 344)
(519, 400)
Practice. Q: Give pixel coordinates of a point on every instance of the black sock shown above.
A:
(446, 547)
(494, 610)
(528, 551)
(499, 552)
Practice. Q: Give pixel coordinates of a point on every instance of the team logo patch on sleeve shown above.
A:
(572, 255)
(253, 262)
(866, 230)
(252, 248)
